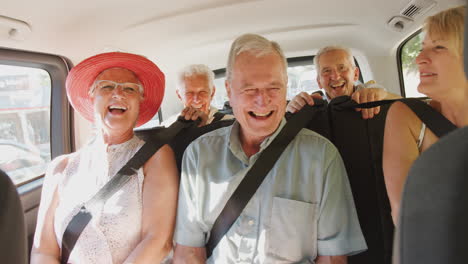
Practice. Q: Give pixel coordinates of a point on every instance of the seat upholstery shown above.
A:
(433, 217)
(13, 242)
(360, 143)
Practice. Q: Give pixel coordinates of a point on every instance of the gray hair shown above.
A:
(255, 45)
(196, 70)
(332, 48)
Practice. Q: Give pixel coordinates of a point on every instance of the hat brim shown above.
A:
(83, 75)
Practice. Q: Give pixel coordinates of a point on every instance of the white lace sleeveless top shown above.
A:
(115, 229)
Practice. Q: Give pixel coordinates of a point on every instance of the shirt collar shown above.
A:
(213, 111)
(236, 147)
(211, 114)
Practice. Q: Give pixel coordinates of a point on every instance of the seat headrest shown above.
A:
(433, 215)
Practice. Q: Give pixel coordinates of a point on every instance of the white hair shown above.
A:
(332, 48)
(196, 70)
(255, 45)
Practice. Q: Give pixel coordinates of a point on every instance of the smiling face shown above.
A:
(196, 93)
(336, 74)
(440, 68)
(257, 94)
(116, 107)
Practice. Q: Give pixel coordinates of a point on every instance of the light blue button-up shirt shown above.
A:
(303, 208)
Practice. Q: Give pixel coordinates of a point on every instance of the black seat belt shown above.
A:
(217, 117)
(360, 143)
(78, 223)
(434, 120)
(254, 177)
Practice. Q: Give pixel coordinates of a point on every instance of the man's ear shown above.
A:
(178, 94)
(318, 82)
(213, 90)
(356, 73)
(228, 88)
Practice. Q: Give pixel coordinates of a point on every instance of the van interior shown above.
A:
(40, 41)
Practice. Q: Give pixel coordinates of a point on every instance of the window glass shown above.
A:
(220, 94)
(301, 78)
(24, 122)
(409, 52)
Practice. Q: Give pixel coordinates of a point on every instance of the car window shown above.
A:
(220, 95)
(301, 78)
(409, 50)
(25, 96)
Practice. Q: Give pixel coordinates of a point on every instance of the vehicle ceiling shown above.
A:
(179, 32)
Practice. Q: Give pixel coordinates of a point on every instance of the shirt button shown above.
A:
(251, 222)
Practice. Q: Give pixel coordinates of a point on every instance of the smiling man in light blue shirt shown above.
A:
(303, 212)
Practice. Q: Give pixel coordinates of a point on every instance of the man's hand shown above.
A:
(191, 113)
(300, 100)
(369, 95)
(370, 92)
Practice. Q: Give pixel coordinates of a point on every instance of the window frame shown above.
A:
(61, 117)
(399, 62)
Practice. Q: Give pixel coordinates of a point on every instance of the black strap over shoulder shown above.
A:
(434, 120)
(78, 223)
(181, 140)
(218, 116)
(360, 143)
(255, 177)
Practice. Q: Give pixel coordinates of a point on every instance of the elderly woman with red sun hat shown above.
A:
(116, 91)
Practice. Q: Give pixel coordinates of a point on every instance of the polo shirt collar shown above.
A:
(236, 147)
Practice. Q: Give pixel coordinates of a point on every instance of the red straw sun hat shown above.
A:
(83, 75)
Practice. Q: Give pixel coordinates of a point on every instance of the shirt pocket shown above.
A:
(293, 231)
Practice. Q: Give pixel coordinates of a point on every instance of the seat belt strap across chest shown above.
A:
(255, 176)
(79, 221)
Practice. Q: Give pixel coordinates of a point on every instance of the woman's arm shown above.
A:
(45, 249)
(400, 151)
(160, 190)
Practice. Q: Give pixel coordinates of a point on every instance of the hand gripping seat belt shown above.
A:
(254, 177)
(359, 143)
(78, 223)
(377, 226)
(335, 121)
